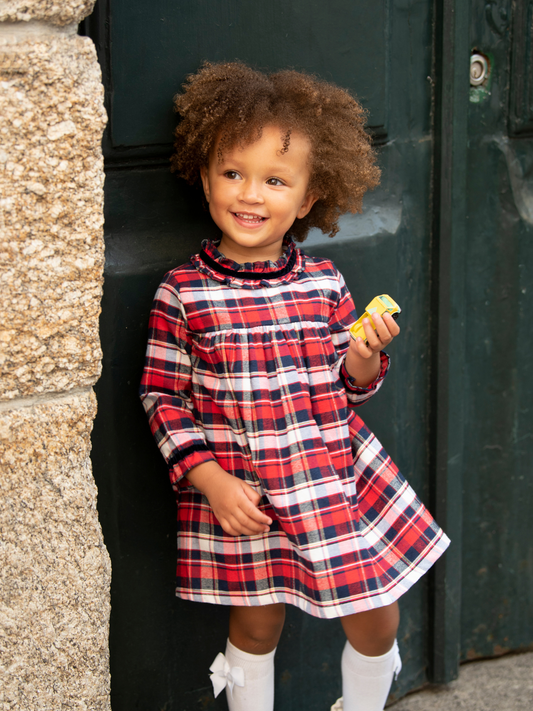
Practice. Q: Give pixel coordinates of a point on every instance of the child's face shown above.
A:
(256, 193)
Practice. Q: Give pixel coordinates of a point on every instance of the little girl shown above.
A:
(251, 377)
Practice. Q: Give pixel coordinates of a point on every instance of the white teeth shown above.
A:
(251, 218)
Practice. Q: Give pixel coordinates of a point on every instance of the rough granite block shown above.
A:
(54, 568)
(51, 215)
(57, 12)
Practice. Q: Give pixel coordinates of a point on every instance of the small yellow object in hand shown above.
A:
(379, 304)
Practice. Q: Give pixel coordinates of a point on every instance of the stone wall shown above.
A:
(54, 568)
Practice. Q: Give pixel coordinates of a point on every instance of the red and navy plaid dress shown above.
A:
(245, 365)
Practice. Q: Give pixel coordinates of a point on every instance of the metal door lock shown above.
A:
(479, 69)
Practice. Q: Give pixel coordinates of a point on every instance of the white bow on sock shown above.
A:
(247, 678)
(225, 676)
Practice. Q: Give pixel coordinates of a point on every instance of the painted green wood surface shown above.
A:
(161, 647)
(447, 347)
(497, 609)
(158, 44)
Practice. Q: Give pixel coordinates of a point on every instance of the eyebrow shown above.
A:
(273, 168)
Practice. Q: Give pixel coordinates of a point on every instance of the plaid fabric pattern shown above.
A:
(245, 364)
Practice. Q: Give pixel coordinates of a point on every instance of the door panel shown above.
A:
(497, 610)
(155, 46)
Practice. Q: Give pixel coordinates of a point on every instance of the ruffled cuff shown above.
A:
(188, 459)
(357, 394)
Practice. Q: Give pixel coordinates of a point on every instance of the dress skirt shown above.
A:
(361, 562)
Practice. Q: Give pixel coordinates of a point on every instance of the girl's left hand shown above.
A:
(362, 360)
(386, 329)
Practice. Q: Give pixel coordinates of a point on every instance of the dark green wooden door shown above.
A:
(497, 606)
(454, 411)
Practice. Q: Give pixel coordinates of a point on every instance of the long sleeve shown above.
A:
(343, 316)
(166, 387)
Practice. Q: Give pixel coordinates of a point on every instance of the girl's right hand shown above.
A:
(233, 501)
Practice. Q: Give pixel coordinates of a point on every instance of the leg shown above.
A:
(256, 630)
(370, 658)
(254, 633)
(373, 632)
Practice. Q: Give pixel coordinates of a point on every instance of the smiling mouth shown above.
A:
(249, 219)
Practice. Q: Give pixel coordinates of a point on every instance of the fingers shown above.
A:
(386, 329)
(251, 510)
(239, 523)
(391, 324)
(255, 498)
(244, 518)
(234, 528)
(251, 493)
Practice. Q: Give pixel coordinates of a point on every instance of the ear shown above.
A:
(204, 174)
(307, 204)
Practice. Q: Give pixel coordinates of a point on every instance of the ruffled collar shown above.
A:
(249, 275)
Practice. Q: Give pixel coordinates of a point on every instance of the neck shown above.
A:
(242, 255)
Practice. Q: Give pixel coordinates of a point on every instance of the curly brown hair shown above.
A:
(234, 102)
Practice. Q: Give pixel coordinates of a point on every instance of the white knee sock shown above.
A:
(257, 694)
(366, 680)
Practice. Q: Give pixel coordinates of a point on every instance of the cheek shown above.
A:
(214, 212)
(221, 196)
(292, 207)
(218, 207)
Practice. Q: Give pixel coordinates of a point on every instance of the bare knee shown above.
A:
(256, 630)
(373, 632)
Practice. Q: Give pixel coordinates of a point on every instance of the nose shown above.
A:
(251, 192)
